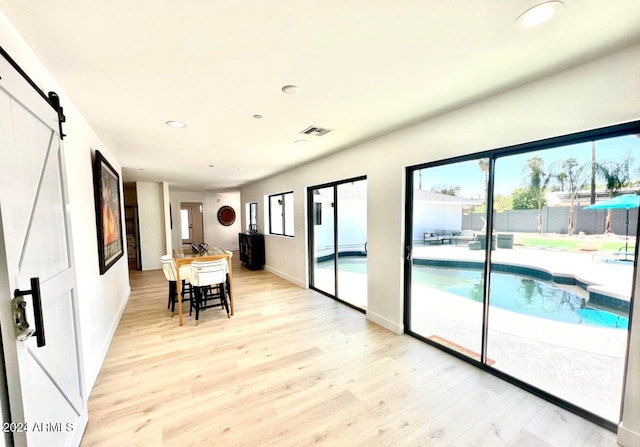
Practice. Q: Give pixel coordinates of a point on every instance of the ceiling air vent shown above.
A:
(315, 130)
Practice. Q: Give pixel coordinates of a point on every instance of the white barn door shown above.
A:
(46, 397)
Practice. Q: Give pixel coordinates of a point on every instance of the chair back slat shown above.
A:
(205, 273)
(169, 267)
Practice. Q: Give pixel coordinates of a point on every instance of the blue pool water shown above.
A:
(520, 294)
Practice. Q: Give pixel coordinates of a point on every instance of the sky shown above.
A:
(510, 172)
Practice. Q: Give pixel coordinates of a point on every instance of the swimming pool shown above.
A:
(521, 294)
(354, 264)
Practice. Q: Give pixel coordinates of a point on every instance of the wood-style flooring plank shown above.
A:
(295, 368)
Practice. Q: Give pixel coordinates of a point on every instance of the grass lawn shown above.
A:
(573, 244)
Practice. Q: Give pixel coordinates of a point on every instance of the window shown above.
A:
(281, 214)
(185, 226)
(252, 220)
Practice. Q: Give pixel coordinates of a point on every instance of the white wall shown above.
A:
(101, 298)
(435, 216)
(215, 234)
(166, 209)
(151, 218)
(352, 231)
(603, 92)
(629, 429)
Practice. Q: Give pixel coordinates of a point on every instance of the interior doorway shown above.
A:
(191, 223)
(133, 237)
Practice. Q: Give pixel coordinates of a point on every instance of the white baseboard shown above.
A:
(289, 278)
(397, 328)
(78, 430)
(92, 376)
(628, 438)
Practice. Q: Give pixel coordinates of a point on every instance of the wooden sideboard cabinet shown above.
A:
(252, 250)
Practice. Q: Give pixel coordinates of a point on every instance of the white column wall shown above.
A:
(166, 209)
(629, 429)
(151, 219)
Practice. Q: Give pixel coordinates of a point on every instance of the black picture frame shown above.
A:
(106, 189)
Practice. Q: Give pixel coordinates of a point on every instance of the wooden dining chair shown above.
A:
(209, 282)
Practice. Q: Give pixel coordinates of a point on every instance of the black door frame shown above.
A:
(493, 155)
(311, 237)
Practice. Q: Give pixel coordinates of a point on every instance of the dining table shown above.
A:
(212, 254)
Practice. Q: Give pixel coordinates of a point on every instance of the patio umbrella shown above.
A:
(625, 201)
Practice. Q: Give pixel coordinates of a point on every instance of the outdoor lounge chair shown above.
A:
(431, 237)
(464, 237)
(438, 236)
(444, 236)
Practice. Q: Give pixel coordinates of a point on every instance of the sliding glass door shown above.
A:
(323, 233)
(538, 290)
(446, 298)
(338, 240)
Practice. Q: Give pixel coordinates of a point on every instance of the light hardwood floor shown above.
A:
(295, 368)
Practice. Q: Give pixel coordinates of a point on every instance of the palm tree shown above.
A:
(483, 164)
(616, 175)
(538, 181)
(576, 179)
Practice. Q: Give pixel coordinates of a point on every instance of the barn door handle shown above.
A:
(21, 325)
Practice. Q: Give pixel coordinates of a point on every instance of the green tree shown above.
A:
(449, 190)
(560, 183)
(523, 199)
(502, 203)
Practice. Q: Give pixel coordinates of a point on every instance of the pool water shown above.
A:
(521, 294)
(354, 264)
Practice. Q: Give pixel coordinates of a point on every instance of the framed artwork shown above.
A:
(106, 187)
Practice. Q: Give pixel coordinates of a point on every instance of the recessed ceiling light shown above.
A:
(291, 89)
(176, 124)
(539, 14)
(258, 117)
(242, 169)
(301, 142)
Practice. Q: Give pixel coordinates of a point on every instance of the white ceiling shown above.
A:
(364, 68)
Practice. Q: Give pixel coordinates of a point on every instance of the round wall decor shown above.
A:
(226, 215)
